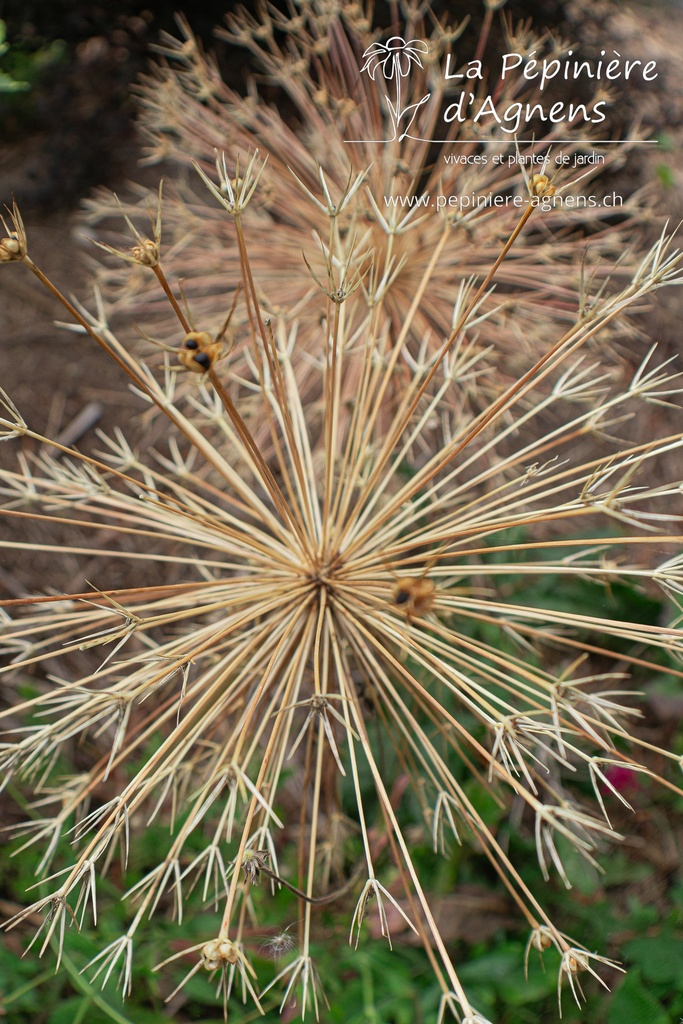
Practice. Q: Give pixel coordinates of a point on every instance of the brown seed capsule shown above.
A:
(415, 595)
(228, 951)
(218, 952)
(541, 940)
(13, 247)
(10, 249)
(541, 187)
(210, 950)
(199, 352)
(146, 254)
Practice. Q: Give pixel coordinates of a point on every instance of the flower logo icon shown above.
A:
(394, 60)
(394, 57)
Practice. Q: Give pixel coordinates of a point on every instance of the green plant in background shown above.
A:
(353, 636)
(25, 65)
(374, 982)
(7, 82)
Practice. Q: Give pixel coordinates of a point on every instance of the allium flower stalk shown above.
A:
(329, 600)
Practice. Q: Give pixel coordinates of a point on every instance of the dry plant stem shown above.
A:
(333, 355)
(253, 805)
(319, 754)
(150, 493)
(128, 369)
(406, 410)
(185, 831)
(425, 936)
(267, 341)
(161, 278)
(370, 418)
(484, 34)
(265, 473)
(184, 513)
(158, 591)
(387, 810)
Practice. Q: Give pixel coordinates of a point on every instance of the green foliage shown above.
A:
(373, 984)
(25, 66)
(7, 82)
(666, 175)
(659, 958)
(634, 1002)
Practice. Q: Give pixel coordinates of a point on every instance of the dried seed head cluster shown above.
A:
(382, 178)
(331, 602)
(305, 585)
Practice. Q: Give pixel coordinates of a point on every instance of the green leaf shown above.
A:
(618, 869)
(660, 958)
(492, 968)
(76, 1009)
(484, 803)
(633, 1004)
(8, 84)
(517, 990)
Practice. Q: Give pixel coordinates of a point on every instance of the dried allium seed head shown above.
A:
(146, 254)
(281, 601)
(541, 187)
(276, 528)
(540, 940)
(11, 249)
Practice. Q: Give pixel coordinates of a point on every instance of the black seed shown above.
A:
(401, 596)
(191, 343)
(203, 360)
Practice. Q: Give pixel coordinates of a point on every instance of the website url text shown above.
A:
(469, 202)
